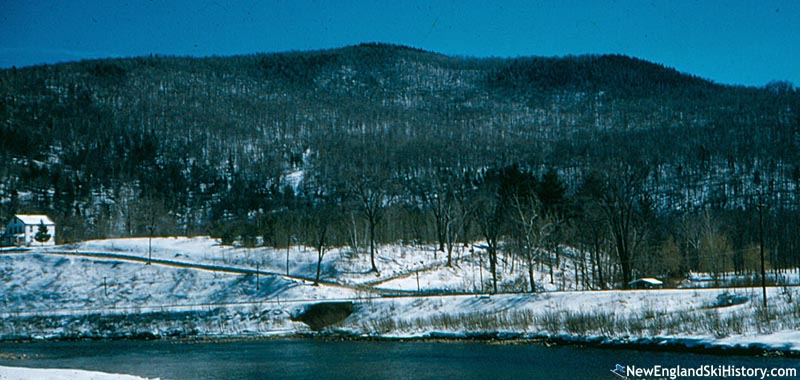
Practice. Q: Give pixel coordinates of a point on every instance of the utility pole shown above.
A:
(150, 229)
(480, 270)
(289, 246)
(416, 272)
(761, 244)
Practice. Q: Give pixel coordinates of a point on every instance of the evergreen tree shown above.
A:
(43, 234)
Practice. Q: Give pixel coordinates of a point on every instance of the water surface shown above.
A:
(317, 359)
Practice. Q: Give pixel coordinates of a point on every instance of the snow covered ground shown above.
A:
(65, 292)
(398, 264)
(36, 282)
(339, 265)
(688, 317)
(707, 280)
(16, 373)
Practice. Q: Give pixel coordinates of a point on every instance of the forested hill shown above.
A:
(193, 145)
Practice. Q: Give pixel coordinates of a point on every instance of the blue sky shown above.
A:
(746, 42)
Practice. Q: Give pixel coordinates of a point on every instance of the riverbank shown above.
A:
(687, 319)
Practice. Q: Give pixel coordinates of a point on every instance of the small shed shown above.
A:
(30, 230)
(645, 283)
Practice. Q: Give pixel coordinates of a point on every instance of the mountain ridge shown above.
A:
(206, 143)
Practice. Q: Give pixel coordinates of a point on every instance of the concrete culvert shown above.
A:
(323, 314)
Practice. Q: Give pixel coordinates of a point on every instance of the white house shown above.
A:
(23, 229)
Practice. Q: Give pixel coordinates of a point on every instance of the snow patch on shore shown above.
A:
(18, 373)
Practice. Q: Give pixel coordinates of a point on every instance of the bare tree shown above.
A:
(437, 194)
(620, 197)
(488, 214)
(372, 195)
(534, 227)
(320, 223)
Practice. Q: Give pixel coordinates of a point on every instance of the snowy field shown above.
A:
(196, 287)
(399, 265)
(35, 282)
(339, 265)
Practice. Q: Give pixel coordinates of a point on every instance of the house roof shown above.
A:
(34, 219)
(651, 281)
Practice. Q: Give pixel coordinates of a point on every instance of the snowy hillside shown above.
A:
(63, 284)
(399, 265)
(196, 287)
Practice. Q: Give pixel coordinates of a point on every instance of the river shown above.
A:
(289, 359)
